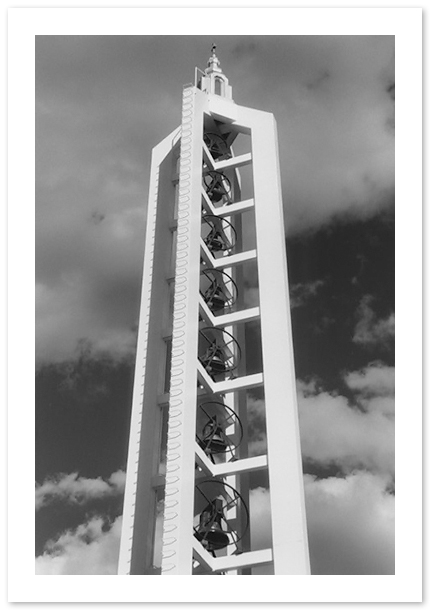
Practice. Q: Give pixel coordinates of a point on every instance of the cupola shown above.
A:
(213, 80)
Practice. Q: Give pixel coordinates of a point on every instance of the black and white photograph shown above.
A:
(215, 314)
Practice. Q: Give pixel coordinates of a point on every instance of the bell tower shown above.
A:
(214, 437)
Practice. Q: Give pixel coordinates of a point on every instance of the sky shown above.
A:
(102, 103)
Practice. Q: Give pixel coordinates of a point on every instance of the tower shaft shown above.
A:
(214, 225)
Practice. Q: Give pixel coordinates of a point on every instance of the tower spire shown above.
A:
(214, 62)
(214, 80)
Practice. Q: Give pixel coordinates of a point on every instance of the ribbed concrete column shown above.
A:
(180, 465)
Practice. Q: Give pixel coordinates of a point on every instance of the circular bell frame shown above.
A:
(216, 411)
(220, 279)
(210, 489)
(217, 146)
(228, 244)
(221, 340)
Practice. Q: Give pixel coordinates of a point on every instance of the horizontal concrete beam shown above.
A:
(232, 260)
(226, 210)
(241, 383)
(245, 315)
(236, 317)
(231, 385)
(238, 161)
(230, 562)
(244, 560)
(258, 462)
(251, 464)
(234, 208)
(235, 259)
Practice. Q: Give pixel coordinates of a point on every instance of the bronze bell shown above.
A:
(210, 532)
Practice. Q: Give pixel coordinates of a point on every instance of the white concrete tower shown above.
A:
(214, 374)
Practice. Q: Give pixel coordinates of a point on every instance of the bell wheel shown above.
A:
(219, 428)
(217, 145)
(219, 508)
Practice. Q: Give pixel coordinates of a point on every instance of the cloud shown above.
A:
(370, 331)
(351, 436)
(334, 430)
(350, 524)
(101, 107)
(374, 387)
(375, 379)
(257, 439)
(88, 281)
(350, 528)
(74, 489)
(91, 548)
(300, 293)
(260, 522)
(337, 152)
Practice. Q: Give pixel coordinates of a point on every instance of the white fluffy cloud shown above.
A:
(350, 527)
(335, 430)
(375, 379)
(374, 386)
(74, 489)
(91, 548)
(370, 330)
(359, 435)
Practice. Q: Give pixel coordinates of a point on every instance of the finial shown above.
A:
(214, 63)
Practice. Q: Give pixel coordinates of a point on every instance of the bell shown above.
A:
(213, 438)
(217, 363)
(217, 303)
(210, 532)
(214, 241)
(217, 192)
(215, 298)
